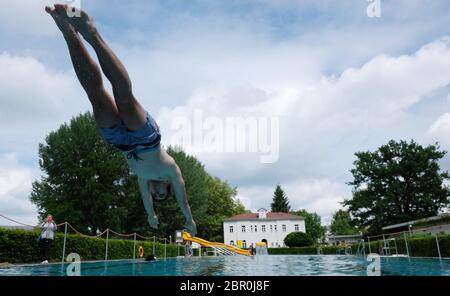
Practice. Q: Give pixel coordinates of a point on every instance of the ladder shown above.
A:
(386, 249)
(361, 251)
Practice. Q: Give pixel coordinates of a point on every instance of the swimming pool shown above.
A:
(275, 265)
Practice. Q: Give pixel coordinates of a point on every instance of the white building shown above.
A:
(264, 226)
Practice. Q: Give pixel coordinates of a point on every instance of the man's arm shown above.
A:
(181, 196)
(148, 202)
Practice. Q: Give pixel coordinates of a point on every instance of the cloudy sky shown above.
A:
(337, 81)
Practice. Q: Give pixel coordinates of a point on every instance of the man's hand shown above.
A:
(191, 227)
(153, 221)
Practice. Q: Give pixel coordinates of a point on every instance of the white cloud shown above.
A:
(31, 90)
(15, 186)
(323, 125)
(440, 131)
(34, 101)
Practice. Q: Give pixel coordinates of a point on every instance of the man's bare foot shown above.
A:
(84, 24)
(65, 27)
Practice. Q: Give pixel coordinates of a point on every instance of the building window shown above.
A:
(251, 228)
(256, 228)
(244, 244)
(232, 243)
(275, 228)
(243, 228)
(263, 228)
(271, 228)
(283, 227)
(231, 229)
(271, 244)
(296, 227)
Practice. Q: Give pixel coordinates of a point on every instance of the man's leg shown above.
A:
(47, 243)
(41, 249)
(88, 73)
(131, 112)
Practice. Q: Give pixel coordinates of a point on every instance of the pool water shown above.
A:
(275, 265)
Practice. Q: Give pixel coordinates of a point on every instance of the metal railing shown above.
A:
(108, 231)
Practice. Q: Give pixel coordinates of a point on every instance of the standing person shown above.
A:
(252, 249)
(122, 121)
(48, 228)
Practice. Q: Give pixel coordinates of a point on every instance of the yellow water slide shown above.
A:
(205, 243)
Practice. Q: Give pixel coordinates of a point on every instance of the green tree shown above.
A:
(341, 224)
(280, 201)
(313, 224)
(298, 239)
(399, 182)
(85, 181)
(88, 183)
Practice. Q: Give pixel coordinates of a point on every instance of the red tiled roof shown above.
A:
(269, 216)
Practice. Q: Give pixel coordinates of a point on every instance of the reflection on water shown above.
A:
(244, 266)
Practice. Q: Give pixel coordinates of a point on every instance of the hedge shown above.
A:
(419, 246)
(21, 246)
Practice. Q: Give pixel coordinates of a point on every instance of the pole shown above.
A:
(154, 244)
(134, 247)
(165, 248)
(368, 242)
(106, 248)
(437, 244)
(64, 244)
(395, 244)
(406, 244)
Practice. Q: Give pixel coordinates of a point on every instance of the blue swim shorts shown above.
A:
(144, 139)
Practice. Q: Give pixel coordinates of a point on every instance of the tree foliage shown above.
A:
(313, 224)
(342, 224)
(298, 239)
(280, 201)
(401, 181)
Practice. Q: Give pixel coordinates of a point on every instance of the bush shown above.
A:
(20, 246)
(298, 239)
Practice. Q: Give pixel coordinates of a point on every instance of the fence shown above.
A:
(400, 243)
(108, 234)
